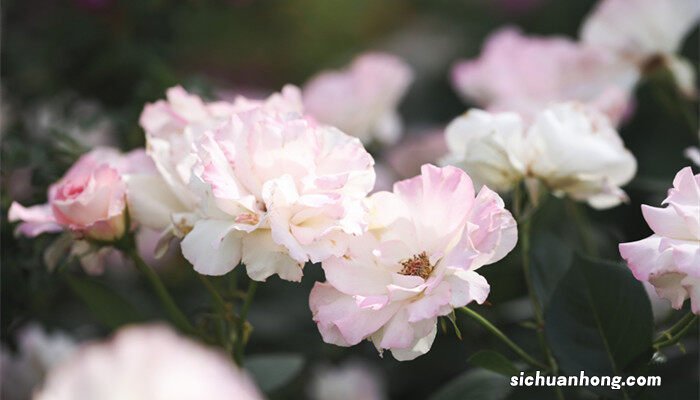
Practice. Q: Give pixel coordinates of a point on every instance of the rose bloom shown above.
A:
(362, 99)
(524, 74)
(167, 201)
(570, 148)
(643, 32)
(418, 261)
(147, 363)
(281, 191)
(89, 200)
(670, 258)
(37, 353)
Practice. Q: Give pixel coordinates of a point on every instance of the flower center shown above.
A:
(418, 265)
(248, 218)
(183, 226)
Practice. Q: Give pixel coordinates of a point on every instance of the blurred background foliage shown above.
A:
(76, 73)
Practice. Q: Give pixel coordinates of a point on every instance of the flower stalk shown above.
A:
(583, 227)
(525, 227)
(176, 315)
(675, 333)
(241, 327)
(502, 336)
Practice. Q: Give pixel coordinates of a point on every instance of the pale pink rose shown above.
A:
(524, 74)
(641, 32)
(282, 191)
(168, 201)
(361, 100)
(418, 261)
(147, 363)
(670, 258)
(570, 148)
(89, 200)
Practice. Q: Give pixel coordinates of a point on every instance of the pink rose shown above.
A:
(524, 74)
(167, 201)
(361, 100)
(150, 362)
(89, 200)
(281, 191)
(670, 258)
(418, 261)
(640, 32)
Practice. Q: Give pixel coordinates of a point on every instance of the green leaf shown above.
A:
(272, 371)
(494, 361)
(476, 384)
(551, 258)
(599, 319)
(107, 306)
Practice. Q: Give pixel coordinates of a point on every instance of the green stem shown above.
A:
(678, 325)
(517, 201)
(583, 227)
(219, 302)
(233, 281)
(674, 334)
(175, 314)
(241, 326)
(223, 310)
(491, 328)
(525, 229)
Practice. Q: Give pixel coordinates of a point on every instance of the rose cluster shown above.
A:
(262, 184)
